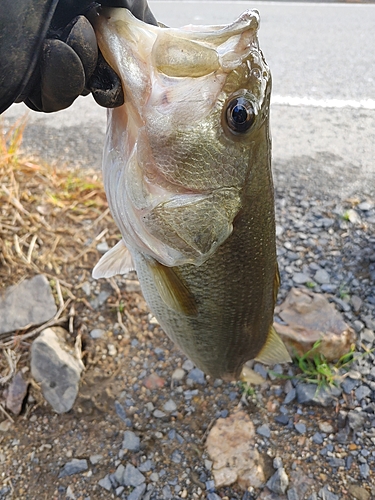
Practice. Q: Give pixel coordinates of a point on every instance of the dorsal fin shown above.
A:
(117, 260)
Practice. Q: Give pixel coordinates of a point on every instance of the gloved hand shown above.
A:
(71, 63)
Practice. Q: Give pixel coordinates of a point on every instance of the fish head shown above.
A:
(189, 135)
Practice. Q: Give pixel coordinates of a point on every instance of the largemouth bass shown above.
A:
(188, 179)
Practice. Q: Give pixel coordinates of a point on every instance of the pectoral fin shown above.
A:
(117, 260)
(173, 292)
(274, 350)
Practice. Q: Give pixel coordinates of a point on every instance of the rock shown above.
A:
(322, 277)
(363, 391)
(5, 425)
(231, 446)
(291, 396)
(312, 394)
(356, 420)
(159, 414)
(17, 390)
(301, 428)
(277, 463)
(196, 375)
(317, 438)
(364, 470)
(278, 483)
(325, 494)
(300, 278)
(264, 431)
(73, 467)
(358, 492)
(153, 381)
(356, 302)
(365, 206)
(368, 336)
(105, 483)
(326, 427)
(178, 374)
(292, 494)
(29, 303)
(97, 333)
(170, 406)
(119, 474)
(102, 247)
(132, 476)
(309, 317)
(137, 493)
(56, 368)
(131, 441)
(96, 459)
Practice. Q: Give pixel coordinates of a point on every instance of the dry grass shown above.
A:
(51, 220)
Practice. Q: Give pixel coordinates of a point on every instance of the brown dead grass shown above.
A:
(51, 220)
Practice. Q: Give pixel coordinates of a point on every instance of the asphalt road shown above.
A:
(323, 112)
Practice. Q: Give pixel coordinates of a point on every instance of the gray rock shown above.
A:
(29, 303)
(132, 476)
(154, 477)
(97, 333)
(213, 496)
(336, 462)
(176, 457)
(291, 396)
(56, 369)
(367, 336)
(105, 483)
(96, 459)
(170, 406)
(363, 391)
(318, 438)
(137, 493)
(131, 441)
(365, 206)
(119, 474)
(167, 494)
(300, 278)
(364, 470)
(17, 390)
(356, 302)
(119, 490)
(102, 247)
(322, 277)
(292, 494)
(312, 394)
(188, 365)
(301, 428)
(197, 376)
(325, 494)
(263, 372)
(277, 463)
(73, 467)
(178, 374)
(159, 414)
(313, 496)
(348, 384)
(278, 483)
(146, 466)
(264, 431)
(356, 420)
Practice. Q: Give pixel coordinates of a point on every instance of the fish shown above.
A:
(187, 174)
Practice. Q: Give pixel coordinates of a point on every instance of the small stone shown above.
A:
(153, 381)
(348, 385)
(358, 492)
(365, 206)
(356, 302)
(278, 483)
(167, 494)
(291, 396)
(112, 351)
(300, 427)
(131, 441)
(325, 494)
(96, 459)
(176, 457)
(326, 427)
(197, 376)
(364, 470)
(29, 303)
(322, 277)
(292, 494)
(159, 414)
(277, 463)
(137, 493)
(263, 372)
(5, 425)
(363, 391)
(17, 390)
(102, 247)
(119, 490)
(264, 431)
(56, 369)
(317, 438)
(311, 394)
(368, 336)
(300, 278)
(356, 420)
(105, 483)
(146, 466)
(170, 406)
(178, 374)
(132, 476)
(73, 467)
(97, 333)
(212, 496)
(154, 477)
(119, 474)
(188, 365)
(282, 419)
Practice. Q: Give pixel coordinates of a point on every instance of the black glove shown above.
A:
(71, 64)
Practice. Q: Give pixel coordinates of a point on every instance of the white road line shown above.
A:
(322, 103)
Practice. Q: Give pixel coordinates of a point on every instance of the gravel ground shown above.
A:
(138, 428)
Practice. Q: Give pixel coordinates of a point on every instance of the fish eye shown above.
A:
(240, 115)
